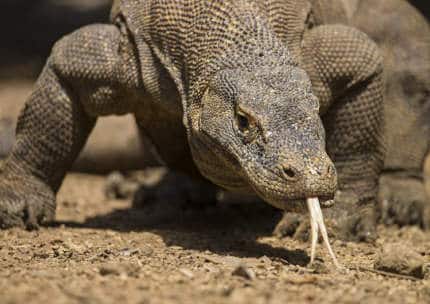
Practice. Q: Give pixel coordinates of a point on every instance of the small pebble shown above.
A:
(426, 271)
(120, 269)
(400, 259)
(244, 272)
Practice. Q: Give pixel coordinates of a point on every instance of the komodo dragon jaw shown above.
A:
(260, 128)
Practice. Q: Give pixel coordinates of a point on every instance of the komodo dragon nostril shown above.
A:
(289, 172)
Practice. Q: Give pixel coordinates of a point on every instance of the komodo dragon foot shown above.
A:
(25, 202)
(161, 193)
(346, 220)
(403, 201)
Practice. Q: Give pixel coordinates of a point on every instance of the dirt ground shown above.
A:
(102, 251)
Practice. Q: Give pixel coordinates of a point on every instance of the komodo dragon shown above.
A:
(258, 96)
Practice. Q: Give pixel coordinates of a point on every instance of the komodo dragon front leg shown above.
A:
(346, 73)
(345, 68)
(90, 73)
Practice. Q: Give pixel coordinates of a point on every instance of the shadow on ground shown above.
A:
(227, 230)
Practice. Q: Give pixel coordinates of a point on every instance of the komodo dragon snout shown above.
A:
(264, 122)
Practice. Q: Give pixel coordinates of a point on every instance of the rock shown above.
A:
(109, 269)
(146, 251)
(119, 187)
(319, 267)
(120, 269)
(288, 225)
(244, 272)
(427, 174)
(400, 259)
(127, 252)
(427, 189)
(186, 272)
(426, 271)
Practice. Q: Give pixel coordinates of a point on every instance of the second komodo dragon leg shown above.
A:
(345, 68)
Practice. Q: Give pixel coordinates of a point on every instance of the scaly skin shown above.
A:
(403, 36)
(252, 95)
(406, 49)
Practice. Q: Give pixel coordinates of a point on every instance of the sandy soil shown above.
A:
(102, 251)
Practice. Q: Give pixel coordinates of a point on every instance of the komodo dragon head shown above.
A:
(260, 128)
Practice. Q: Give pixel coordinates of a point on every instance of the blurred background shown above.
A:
(29, 28)
(422, 5)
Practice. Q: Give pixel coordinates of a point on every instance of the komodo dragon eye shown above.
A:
(246, 125)
(243, 122)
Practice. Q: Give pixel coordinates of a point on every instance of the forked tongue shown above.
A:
(317, 224)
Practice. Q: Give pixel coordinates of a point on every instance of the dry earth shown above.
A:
(102, 251)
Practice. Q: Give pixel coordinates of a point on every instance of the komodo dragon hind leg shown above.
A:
(406, 50)
(174, 195)
(403, 201)
(91, 72)
(161, 193)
